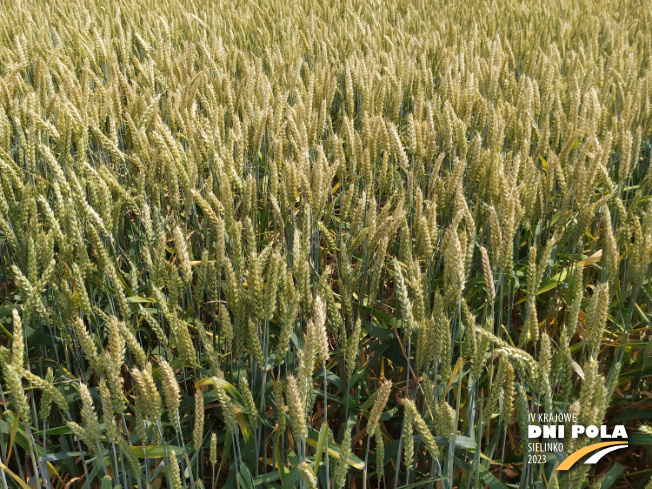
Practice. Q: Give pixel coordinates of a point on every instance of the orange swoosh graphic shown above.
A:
(575, 456)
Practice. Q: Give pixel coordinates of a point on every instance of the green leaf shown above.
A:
(323, 433)
(640, 439)
(278, 460)
(461, 441)
(267, 478)
(244, 478)
(154, 451)
(487, 477)
(137, 299)
(22, 483)
(633, 414)
(228, 440)
(54, 457)
(291, 479)
(11, 424)
(552, 282)
(12, 435)
(490, 479)
(610, 477)
(39, 338)
(334, 450)
(59, 430)
(422, 483)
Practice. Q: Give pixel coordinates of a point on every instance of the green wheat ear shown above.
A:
(107, 482)
(232, 220)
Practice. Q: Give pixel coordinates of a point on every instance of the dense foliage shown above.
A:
(322, 244)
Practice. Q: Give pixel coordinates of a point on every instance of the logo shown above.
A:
(604, 448)
(548, 429)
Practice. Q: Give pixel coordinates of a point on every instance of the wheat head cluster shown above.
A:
(321, 244)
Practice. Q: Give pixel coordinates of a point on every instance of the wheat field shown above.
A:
(323, 244)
